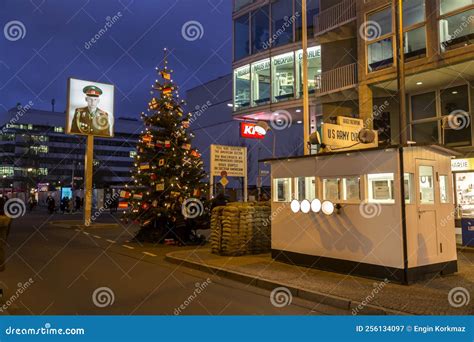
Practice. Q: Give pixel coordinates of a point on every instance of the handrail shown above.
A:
(335, 16)
(337, 79)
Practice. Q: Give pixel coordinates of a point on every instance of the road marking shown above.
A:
(77, 230)
(129, 247)
(86, 233)
(150, 254)
(111, 241)
(97, 237)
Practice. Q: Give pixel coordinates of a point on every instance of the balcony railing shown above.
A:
(335, 16)
(337, 79)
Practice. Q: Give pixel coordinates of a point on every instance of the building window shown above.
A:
(261, 85)
(426, 181)
(423, 106)
(442, 116)
(379, 38)
(331, 189)
(241, 37)
(312, 7)
(283, 77)
(260, 29)
(282, 189)
(58, 129)
(282, 22)
(443, 189)
(414, 29)
(39, 149)
(381, 188)
(456, 30)
(314, 69)
(242, 87)
(456, 116)
(447, 6)
(305, 188)
(239, 4)
(351, 189)
(6, 171)
(133, 154)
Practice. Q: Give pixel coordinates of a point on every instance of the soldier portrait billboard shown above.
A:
(90, 108)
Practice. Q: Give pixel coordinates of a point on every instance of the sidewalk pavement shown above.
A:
(359, 295)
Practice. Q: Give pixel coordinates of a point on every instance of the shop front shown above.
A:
(463, 174)
(343, 212)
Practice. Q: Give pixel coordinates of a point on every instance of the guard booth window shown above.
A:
(305, 188)
(426, 185)
(282, 188)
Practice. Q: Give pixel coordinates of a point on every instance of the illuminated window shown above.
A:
(380, 188)
(58, 129)
(261, 82)
(351, 189)
(426, 181)
(283, 77)
(314, 69)
(305, 188)
(133, 154)
(282, 189)
(6, 171)
(242, 87)
(331, 189)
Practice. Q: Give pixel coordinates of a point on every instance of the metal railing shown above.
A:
(335, 16)
(337, 79)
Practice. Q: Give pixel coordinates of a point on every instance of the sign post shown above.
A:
(90, 113)
(88, 176)
(228, 161)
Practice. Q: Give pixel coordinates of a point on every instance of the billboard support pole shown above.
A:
(88, 180)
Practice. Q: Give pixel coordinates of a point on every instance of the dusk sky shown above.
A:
(45, 42)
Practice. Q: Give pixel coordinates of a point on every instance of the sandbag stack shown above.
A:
(216, 229)
(241, 228)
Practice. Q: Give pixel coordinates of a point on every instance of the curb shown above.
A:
(322, 298)
(75, 225)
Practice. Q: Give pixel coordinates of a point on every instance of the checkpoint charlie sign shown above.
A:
(230, 161)
(345, 136)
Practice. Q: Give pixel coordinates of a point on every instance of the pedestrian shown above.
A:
(51, 204)
(78, 203)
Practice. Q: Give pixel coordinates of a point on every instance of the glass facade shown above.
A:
(314, 69)
(239, 4)
(242, 87)
(447, 6)
(283, 67)
(241, 37)
(282, 22)
(276, 24)
(312, 9)
(260, 29)
(261, 77)
(275, 79)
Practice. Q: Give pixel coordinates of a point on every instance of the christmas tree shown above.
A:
(168, 171)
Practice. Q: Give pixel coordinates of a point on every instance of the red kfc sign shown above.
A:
(251, 131)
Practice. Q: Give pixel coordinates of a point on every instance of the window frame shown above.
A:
(439, 111)
(415, 27)
(390, 35)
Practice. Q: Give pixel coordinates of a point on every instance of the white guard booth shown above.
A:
(369, 233)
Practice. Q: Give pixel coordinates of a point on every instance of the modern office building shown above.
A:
(353, 68)
(35, 151)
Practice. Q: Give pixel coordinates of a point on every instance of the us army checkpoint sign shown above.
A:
(90, 108)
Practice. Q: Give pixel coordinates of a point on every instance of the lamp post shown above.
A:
(306, 122)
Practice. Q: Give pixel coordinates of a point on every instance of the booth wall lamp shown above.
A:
(316, 206)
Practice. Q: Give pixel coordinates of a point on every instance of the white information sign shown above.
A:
(231, 159)
(228, 161)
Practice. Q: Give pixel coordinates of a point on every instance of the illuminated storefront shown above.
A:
(275, 79)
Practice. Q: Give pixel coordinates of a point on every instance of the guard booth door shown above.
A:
(427, 188)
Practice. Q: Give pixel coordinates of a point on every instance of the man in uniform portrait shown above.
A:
(91, 119)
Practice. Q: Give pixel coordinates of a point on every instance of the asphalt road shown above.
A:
(99, 272)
